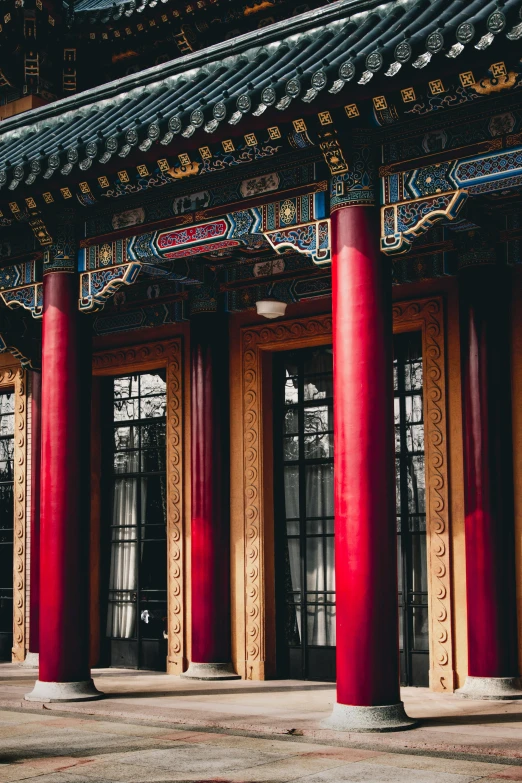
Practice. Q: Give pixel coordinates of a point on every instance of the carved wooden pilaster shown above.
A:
(15, 378)
(427, 315)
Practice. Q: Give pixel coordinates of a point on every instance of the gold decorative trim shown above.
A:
(427, 315)
(139, 358)
(254, 341)
(16, 378)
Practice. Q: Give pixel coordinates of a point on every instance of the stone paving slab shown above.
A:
(152, 728)
(130, 753)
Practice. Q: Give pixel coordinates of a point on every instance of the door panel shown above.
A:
(304, 533)
(137, 585)
(304, 514)
(411, 509)
(6, 523)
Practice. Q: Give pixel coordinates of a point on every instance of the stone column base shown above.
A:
(210, 671)
(389, 717)
(31, 661)
(491, 688)
(84, 690)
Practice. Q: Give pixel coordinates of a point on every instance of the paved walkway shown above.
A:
(152, 727)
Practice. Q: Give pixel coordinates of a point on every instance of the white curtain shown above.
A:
(121, 619)
(320, 574)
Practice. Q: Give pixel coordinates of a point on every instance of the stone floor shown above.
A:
(151, 727)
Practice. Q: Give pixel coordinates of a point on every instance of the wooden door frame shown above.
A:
(140, 358)
(12, 377)
(258, 602)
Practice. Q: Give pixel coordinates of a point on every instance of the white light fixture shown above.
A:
(271, 308)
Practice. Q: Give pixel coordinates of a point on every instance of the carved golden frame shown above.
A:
(256, 341)
(139, 358)
(423, 315)
(13, 377)
(427, 315)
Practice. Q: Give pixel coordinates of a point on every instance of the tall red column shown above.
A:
(36, 448)
(64, 552)
(368, 697)
(488, 483)
(210, 536)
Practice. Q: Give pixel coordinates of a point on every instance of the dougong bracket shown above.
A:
(310, 239)
(97, 287)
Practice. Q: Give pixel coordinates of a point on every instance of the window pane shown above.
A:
(319, 490)
(319, 360)
(318, 387)
(413, 375)
(291, 448)
(6, 507)
(291, 421)
(294, 563)
(6, 403)
(420, 628)
(126, 438)
(291, 480)
(416, 485)
(126, 410)
(7, 424)
(153, 566)
(153, 460)
(126, 462)
(153, 435)
(153, 383)
(291, 391)
(152, 407)
(154, 500)
(318, 442)
(419, 576)
(315, 565)
(126, 387)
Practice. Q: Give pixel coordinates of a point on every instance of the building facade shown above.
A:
(261, 360)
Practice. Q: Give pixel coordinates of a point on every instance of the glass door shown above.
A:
(304, 534)
(6, 523)
(136, 626)
(411, 509)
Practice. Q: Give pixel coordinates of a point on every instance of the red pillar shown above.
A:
(36, 447)
(488, 483)
(64, 631)
(210, 537)
(368, 697)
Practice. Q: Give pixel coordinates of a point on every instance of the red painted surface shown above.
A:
(64, 630)
(488, 472)
(210, 538)
(36, 445)
(364, 490)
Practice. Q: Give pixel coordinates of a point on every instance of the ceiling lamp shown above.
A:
(271, 308)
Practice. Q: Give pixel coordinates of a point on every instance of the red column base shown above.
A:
(492, 688)
(210, 671)
(47, 692)
(388, 717)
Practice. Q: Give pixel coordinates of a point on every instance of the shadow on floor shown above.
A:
(473, 720)
(206, 691)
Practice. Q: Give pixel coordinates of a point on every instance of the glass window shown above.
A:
(137, 606)
(6, 517)
(411, 508)
(306, 458)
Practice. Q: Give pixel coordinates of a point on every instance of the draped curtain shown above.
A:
(121, 618)
(320, 573)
